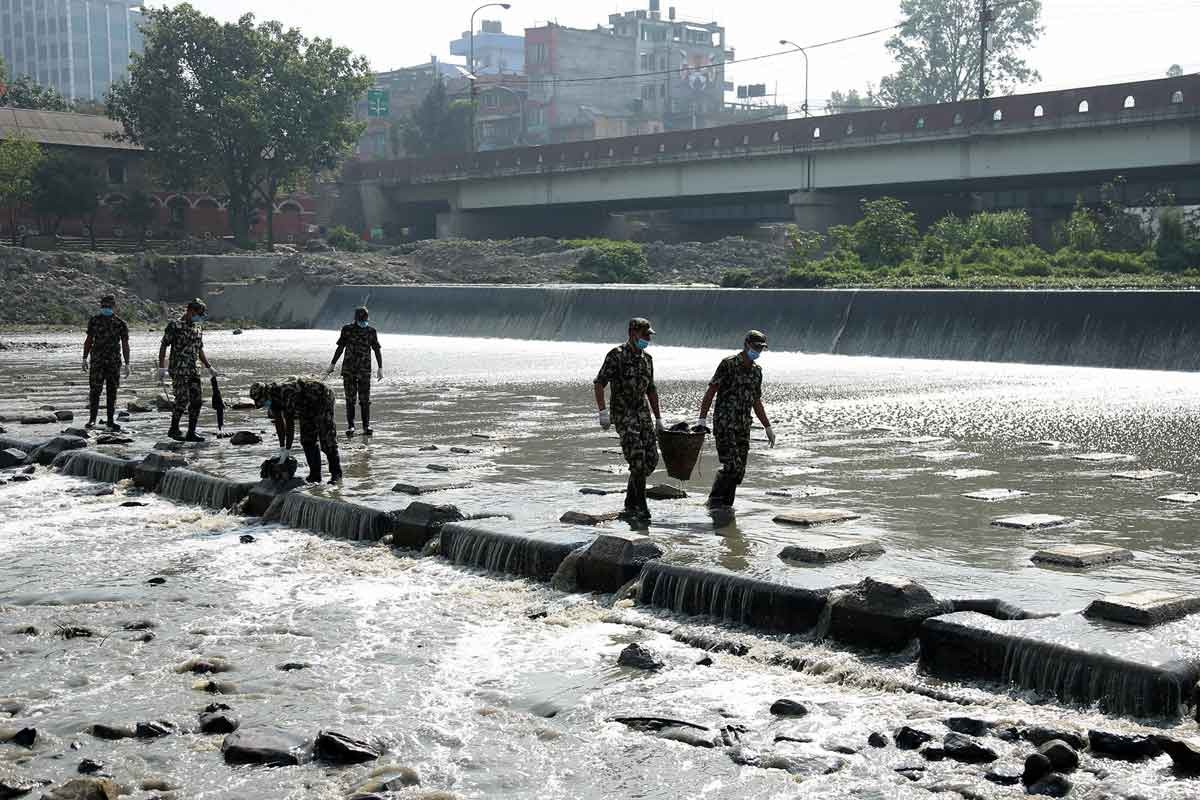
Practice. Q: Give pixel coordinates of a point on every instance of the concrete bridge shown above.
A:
(1035, 151)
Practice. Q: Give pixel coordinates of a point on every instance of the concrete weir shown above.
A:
(758, 603)
(1070, 658)
(198, 489)
(535, 555)
(95, 466)
(333, 517)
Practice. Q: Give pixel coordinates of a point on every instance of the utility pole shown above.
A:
(985, 19)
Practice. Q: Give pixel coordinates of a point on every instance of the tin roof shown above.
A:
(62, 129)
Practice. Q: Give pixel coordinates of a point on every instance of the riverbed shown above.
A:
(492, 687)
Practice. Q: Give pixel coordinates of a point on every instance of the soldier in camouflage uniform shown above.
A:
(186, 342)
(629, 369)
(358, 340)
(106, 344)
(311, 402)
(737, 386)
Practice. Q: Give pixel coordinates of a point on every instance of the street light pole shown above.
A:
(803, 52)
(471, 60)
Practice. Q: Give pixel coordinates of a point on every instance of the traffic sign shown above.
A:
(378, 103)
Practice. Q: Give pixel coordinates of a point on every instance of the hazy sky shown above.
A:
(1086, 41)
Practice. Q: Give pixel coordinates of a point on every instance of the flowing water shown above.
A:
(491, 687)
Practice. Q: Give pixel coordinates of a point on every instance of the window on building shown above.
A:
(850, 129)
(647, 62)
(958, 119)
(1039, 112)
(1084, 107)
(491, 100)
(1130, 102)
(997, 116)
(920, 123)
(662, 62)
(539, 53)
(116, 171)
(816, 133)
(1177, 99)
(662, 90)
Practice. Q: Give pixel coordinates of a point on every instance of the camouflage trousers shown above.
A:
(733, 450)
(639, 443)
(358, 389)
(103, 374)
(187, 394)
(319, 428)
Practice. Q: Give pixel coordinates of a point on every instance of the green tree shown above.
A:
(438, 124)
(937, 50)
(139, 211)
(242, 106)
(23, 92)
(887, 233)
(1174, 71)
(19, 157)
(848, 102)
(65, 188)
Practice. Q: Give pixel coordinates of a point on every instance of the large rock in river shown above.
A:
(882, 613)
(85, 789)
(268, 747)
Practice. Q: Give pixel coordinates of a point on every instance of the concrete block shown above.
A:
(263, 493)
(1081, 555)
(1103, 458)
(1186, 498)
(529, 554)
(150, 470)
(613, 560)
(881, 613)
(1031, 521)
(584, 518)
(965, 474)
(416, 490)
(419, 522)
(995, 495)
(809, 517)
(46, 454)
(665, 492)
(831, 552)
(1147, 607)
(1143, 474)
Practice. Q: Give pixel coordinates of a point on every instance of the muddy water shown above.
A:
(489, 687)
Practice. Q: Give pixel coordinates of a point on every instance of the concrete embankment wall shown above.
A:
(1134, 329)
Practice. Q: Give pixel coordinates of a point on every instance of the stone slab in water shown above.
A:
(946, 455)
(665, 492)
(831, 552)
(46, 454)
(613, 560)
(419, 522)
(1103, 458)
(1031, 521)
(995, 495)
(1147, 607)
(767, 605)
(529, 554)
(1185, 498)
(809, 517)
(921, 439)
(1125, 670)
(602, 492)
(802, 492)
(1082, 555)
(416, 490)
(587, 518)
(1143, 474)
(965, 474)
(881, 613)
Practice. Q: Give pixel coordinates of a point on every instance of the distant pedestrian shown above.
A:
(737, 387)
(185, 340)
(105, 349)
(358, 341)
(629, 369)
(310, 402)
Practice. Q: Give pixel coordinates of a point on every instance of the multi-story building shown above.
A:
(403, 89)
(79, 47)
(496, 52)
(642, 73)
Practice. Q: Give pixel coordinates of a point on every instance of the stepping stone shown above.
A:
(995, 495)
(1143, 474)
(485, 436)
(584, 518)
(1031, 521)
(1147, 607)
(440, 468)
(665, 492)
(831, 552)
(1187, 498)
(461, 451)
(881, 429)
(808, 517)
(965, 474)
(802, 492)
(415, 490)
(1053, 444)
(598, 492)
(946, 455)
(605, 470)
(1082, 555)
(1103, 458)
(921, 439)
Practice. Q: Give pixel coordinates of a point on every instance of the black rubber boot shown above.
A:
(335, 468)
(192, 436)
(350, 421)
(312, 454)
(110, 406)
(174, 432)
(723, 490)
(635, 498)
(366, 418)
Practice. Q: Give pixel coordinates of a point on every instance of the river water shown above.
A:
(493, 687)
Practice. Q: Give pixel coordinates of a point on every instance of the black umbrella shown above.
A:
(218, 404)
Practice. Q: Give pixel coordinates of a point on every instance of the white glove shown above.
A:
(658, 425)
(125, 370)
(212, 372)
(702, 422)
(85, 364)
(329, 371)
(284, 455)
(770, 435)
(605, 419)
(163, 374)
(379, 375)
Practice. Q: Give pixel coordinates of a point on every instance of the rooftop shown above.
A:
(61, 128)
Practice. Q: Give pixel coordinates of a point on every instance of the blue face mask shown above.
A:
(200, 320)
(106, 312)
(362, 323)
(752, 354)
(642, 344)
(266, 405)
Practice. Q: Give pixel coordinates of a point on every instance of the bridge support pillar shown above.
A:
(818, 211)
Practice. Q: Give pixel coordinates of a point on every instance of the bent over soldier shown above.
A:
(358, 341)
(186, 343)
(311, 403)
(107, 343)
(737, 386)
(629, 369)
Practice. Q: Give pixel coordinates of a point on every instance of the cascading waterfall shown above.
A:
(94, 466)
(534, 555)
(198, 489)
(730, 597)
(333, 517)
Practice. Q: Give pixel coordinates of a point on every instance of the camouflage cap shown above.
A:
(641, 324)
(362, 313)
(258, 393)
(197, 305)
(108, 301)
(757, 338)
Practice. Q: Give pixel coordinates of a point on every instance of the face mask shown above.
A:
(266, 405)
(362, 323)
(200, 320)
(752, 354)
(642, 344)
(106, 312)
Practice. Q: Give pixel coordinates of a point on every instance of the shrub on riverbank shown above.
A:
(609, 261)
